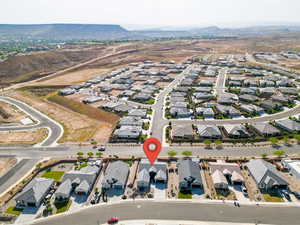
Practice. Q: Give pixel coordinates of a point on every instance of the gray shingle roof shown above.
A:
(259, 169)
(35, 190)
(189, 171)
(116, 173)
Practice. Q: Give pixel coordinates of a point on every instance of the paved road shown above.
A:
(55, 129)
(158, 118)
(16, 173)
(179, 211)
(59, 152)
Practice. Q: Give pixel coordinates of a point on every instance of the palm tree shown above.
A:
(90, 154)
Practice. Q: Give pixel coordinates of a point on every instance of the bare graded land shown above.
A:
(29, 137)
(81, 122)
(10, 114)
(6, 164)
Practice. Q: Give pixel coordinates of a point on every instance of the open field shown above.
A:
(29, 137)
(6, 164)
(78, 127)
(75, 77)
(10, 113)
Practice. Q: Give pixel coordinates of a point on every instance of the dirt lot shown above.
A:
(78, 127)
(23, 137)
(15, 115)
(74, 77)
(6, 164)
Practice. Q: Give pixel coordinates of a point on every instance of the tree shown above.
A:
(297, 137)
(279, 153)
(264, 155)
(172, 153)
(286, 140)
(99, 154)
(218, 143)
(90, 154)
(79, 155)
(187, 153)
(207, 143)
(273, 140)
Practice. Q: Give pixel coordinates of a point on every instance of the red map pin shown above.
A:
(152, 148)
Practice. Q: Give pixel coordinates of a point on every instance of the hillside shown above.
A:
(27, 67)
(63, 31)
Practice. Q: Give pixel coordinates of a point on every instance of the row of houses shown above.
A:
(187, 132)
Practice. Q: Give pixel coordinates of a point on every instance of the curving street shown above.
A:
(55, 129)
(178, 210)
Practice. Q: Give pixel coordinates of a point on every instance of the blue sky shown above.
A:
(152, 12)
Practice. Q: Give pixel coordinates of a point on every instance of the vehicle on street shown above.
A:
(113, 220)
(101, 149)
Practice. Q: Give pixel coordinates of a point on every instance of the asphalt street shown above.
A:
(16, 173)
(178, 211)
(55, 129)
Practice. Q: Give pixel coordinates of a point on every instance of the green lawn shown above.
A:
(55, 175)
(63, 206)
(185, 195)
(82, 165)
(272, 198)
(14, 211)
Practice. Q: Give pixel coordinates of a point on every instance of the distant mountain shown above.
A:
(116, 32)
(63, 31)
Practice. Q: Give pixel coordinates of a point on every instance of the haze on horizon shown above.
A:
(135, 14)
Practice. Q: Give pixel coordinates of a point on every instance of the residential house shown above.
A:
(115, 176)
(293, 166)
(128, 132)
(82, 181)
(34, 193)
(231, 171)
(142, 113)
(265, 129)
(189, 175)
(67, 91)
(131, 121)
(253, 109)
(92, 99)
(182, 132)
(209, 131)
(180, 112)
(288, 125)
(248, 98)
(236, 131)
(151, 173)
(219, 181)
(205, 112)
(228, 110)
(265, 175)
(141, 97)
(270, 105)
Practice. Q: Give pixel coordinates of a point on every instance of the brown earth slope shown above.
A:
(23, 68)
